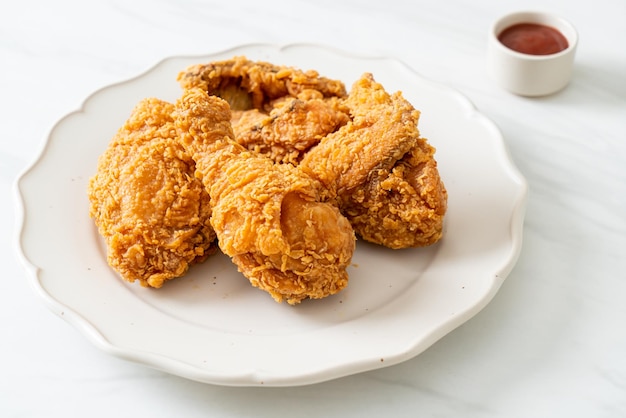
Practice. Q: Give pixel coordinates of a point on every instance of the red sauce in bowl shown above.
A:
(533, 39)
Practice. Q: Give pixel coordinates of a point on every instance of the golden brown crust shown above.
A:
(379, 170)
(176, 176)
(403, 206)
(278, 111)
(151, 211)
(267, 216)
(247, 84)
(381, 130)
(291, 127)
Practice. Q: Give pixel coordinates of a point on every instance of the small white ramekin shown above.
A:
(531, 75)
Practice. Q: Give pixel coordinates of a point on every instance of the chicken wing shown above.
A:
(247, 84)
(278, 111)
(267, 216)
(400, 207)
(379, 170)
(151, 210)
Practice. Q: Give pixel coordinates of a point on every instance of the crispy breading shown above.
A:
(403, 206)
(284, 180)
(379, 170)
(267, 216)
(291, 128)
(247, 84)
(151, 210)
(278, 111)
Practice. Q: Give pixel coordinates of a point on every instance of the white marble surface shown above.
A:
(551, 344)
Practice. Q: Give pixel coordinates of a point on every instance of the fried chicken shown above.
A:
(278, 111)
(291, 128)
(364, 147)
(267, 216)
(151, 210)
(403, 206)
(247, 84)
(379, 170)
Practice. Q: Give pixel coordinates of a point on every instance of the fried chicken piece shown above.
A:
(247, 84)
(380, 171)
(278, 111)
(403, 206)
(291, 128)
(151, 210)
(267, 216)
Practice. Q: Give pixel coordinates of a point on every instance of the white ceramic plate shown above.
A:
(211, 325)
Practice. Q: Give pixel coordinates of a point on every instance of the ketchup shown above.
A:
(533, 39)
